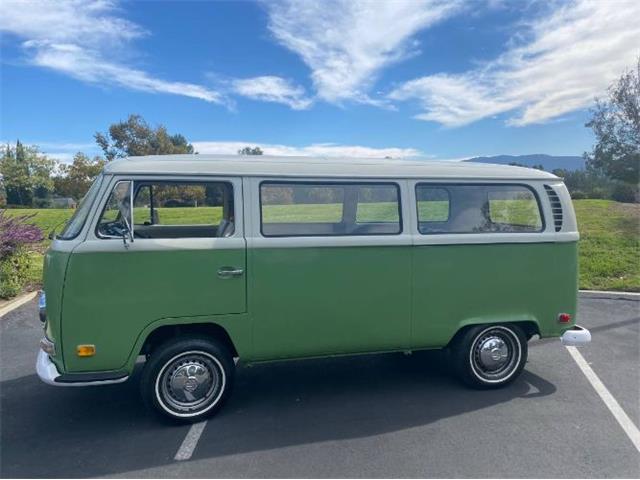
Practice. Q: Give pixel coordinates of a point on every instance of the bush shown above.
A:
(41, 202)
(626, 193)
(177, 203)
(599, 193)
(14, 271)
(578, 195)
(15, 234)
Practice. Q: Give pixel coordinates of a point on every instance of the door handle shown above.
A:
(230, 272)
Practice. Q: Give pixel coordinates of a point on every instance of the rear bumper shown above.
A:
(576, 336)
(50, 375)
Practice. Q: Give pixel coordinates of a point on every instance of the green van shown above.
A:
(194, 263)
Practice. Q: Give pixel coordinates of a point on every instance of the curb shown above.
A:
(18, 302)
(610, 295)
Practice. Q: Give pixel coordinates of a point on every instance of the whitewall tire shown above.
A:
(188, 379)
(490, 356)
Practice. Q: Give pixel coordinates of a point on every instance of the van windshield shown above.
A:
(74, 225)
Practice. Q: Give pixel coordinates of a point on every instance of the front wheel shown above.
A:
(188, 379)
(490, 356)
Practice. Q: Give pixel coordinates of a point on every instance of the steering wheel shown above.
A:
(114, 229)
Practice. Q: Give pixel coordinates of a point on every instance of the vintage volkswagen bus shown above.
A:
(197, 262)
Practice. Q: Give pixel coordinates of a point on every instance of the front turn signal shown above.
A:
(86, 350)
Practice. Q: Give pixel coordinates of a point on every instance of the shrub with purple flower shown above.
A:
(15, 232)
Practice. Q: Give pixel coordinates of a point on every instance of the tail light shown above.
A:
(564, 318)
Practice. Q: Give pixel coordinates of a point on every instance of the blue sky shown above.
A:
(432, 78)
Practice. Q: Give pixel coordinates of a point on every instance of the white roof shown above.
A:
(270, 166)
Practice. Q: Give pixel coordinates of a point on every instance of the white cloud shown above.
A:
(346, 43)
(86, 40)
(62, 157)
(313, 150)
(93, 22)
(64, 146)
(571, 57)
(273, 89)
(64, 152)
(82, 64)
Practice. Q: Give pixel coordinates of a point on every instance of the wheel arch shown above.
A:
(163, 333)
(158, 332)
(529, 326)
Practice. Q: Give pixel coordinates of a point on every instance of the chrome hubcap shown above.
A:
(495, 354)
(190, 383)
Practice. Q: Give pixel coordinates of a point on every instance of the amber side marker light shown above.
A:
(564, 318)
(86, 350)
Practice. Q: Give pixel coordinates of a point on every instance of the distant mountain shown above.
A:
(549, 162)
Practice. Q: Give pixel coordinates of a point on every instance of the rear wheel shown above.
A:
(188, 379)
(490, 356)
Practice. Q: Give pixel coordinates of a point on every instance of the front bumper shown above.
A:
(46, 369)
(50, 375)
(576, 336)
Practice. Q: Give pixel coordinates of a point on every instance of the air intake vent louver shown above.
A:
(556, 207)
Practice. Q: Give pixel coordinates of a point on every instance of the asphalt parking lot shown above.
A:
(368, 416)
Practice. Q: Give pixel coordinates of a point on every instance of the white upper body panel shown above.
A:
(252, 170)
(272, 166)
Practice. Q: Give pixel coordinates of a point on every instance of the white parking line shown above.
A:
(190, 441)
(612, 404)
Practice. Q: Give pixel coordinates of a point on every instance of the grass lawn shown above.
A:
(609, 244)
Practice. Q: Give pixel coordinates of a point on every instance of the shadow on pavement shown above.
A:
(102, 430)
(312, 401)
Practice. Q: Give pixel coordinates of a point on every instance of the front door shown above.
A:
(187, 259)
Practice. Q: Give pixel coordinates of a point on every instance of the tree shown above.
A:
(3, 194)
(26, 174)
(250, 151)
(14, 178)
(136, 137)
(178, 195)
(535, 167)
(615, 121)
(586, 183)
(75, 179)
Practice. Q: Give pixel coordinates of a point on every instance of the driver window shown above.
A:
(142, 206)
(116, 216)
(179, 209)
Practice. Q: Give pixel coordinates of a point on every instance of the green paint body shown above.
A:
(54, 272)
(303, 301)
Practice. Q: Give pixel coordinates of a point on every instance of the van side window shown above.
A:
(433, 204)
(377, 204)
(182, 209)
(329, 209)
(515, 209)
(477, 209)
